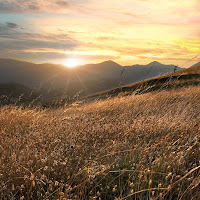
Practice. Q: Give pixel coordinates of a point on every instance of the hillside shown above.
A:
(135, 147)
(182, 78)
(12, 93)
(85, 80)
(192, 70)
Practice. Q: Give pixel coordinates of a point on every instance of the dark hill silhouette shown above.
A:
(56, 80)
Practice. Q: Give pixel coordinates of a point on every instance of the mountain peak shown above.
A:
(155, 63)
(110, 62)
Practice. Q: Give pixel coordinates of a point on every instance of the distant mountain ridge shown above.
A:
(176, 80)
(142, 72)
(86, 79)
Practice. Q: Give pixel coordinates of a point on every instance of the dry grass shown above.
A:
(135, 147)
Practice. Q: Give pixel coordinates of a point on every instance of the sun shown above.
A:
(72, 62)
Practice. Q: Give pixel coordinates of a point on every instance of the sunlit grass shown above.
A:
(135, 147)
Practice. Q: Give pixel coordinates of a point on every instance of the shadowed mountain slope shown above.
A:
(57, 80)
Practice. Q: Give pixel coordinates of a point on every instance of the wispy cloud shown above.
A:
(13, 39)
(34, 6)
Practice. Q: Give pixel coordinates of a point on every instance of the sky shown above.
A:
(128, 32)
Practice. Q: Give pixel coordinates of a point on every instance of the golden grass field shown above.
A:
(135, 147)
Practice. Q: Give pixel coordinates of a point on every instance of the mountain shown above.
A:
(56, 80)
(181, 78)
(142, 72)
(97, 77)
(29, 74)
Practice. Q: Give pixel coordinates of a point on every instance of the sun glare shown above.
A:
(72, 62)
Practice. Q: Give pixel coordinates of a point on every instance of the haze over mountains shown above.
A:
(88, 79)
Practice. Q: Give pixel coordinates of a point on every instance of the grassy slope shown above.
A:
(182, 78)
(135, 147)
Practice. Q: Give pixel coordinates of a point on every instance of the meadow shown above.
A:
(128, 147)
